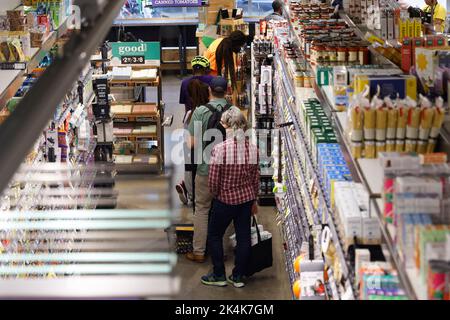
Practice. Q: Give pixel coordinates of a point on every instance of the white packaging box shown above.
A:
(105, 132)
(266, 75)
(352, 219)
(371, 232)
(418, 185)
(390, 20)
(361, 195)
(410, 203)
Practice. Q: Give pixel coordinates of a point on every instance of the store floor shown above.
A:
(271, 284)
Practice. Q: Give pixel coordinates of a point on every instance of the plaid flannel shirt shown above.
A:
(234, 171)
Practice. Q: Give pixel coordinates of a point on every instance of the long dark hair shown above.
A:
(198, 93)
(224, 54)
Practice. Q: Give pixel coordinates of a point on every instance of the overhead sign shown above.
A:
(176, 3)
(148, 53)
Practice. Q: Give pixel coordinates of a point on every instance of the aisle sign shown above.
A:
(136, 53)
(176, 3)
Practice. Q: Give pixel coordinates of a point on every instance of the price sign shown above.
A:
(133, 59)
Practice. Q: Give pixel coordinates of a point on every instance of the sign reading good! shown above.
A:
(176, 3)
(135, 53)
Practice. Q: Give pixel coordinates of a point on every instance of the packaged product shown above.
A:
(381, 124)
(403, 110)
(355, 125)
(391, 127)
(412, 126)
(369, 131)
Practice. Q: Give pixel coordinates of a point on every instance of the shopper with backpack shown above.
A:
(205, 121)
(191, 96)
(199, 96)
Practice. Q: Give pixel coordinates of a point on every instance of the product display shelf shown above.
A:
(361, 32)
(410, 280)
(348, 273)
(11, 80)
(311, 214)
(291, 229)
(367, 171)
(370, 173)
(291, 185)
(140, 162)
(299, 203)
(261, 135)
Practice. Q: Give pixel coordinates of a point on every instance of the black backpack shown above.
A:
(214, 121)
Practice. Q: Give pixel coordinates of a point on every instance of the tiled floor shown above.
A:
(269, 284)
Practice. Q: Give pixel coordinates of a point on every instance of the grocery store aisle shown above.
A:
(271, 283)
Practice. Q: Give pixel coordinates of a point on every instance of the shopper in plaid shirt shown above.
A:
(234, 183)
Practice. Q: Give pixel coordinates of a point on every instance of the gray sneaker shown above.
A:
(213, 280)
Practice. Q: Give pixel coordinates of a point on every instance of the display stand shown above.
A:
(138, 130)
(262, 118)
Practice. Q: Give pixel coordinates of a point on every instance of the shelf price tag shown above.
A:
(133, 59)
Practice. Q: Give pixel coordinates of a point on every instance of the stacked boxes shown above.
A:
(378, 281)
(331, 167)
(351, 203)
(407, 225)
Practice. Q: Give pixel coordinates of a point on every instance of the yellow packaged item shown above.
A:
(380, 147)
(392, 116)
(390, 145)
(369, 149)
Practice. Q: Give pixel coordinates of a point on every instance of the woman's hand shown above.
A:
(254, 209)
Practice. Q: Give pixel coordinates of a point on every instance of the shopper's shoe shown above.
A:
(182, 192)
(213, 280)
(236, 281)
(195, 257)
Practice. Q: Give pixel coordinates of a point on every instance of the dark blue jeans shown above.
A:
(221, 216)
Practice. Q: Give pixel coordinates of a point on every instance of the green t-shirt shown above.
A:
(202, 115)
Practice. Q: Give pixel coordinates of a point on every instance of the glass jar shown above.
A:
(353, 54)
(342, 54)
(332, 53)
(363, 55)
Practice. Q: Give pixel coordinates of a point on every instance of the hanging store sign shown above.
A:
(136, 53)
(176, 3)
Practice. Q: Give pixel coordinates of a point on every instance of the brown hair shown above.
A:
(198, 93)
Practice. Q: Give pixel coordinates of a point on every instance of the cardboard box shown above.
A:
(390, 86)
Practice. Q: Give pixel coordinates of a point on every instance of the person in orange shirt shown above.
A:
(220, 55)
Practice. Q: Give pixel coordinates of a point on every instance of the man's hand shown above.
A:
(254, 209)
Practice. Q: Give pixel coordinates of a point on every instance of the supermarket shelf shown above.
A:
(380, 59)
(410, 281)
(329, 219)
(11, 80)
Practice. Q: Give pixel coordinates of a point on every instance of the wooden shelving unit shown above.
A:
(135, 114)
